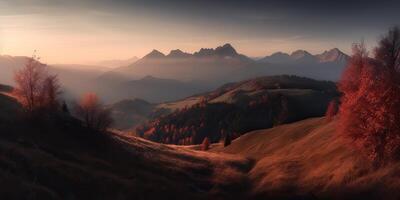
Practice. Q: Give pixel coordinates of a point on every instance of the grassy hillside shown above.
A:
(306, 159)
(9, 108)
(228, 93)
(56, 158)
(238, 108)
(122, 168)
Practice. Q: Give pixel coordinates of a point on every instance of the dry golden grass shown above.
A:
(308, 159)
(303, 160)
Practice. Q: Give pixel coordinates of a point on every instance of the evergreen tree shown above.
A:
(227, 140)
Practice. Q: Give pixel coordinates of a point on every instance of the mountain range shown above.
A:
(209, 65)
(159, 77)
(224, 64)
(302, 56)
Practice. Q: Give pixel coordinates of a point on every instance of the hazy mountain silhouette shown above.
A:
(213, 65)
(154, 55)
(224, 64)
(178, 54)
(328, 65)
(75, 79)
(128, 113)
(112, 86)
(150, 88)
(302, 56)
(333, 55)
(278, 57)
(116, 63)
(186, 73)
(8, 65)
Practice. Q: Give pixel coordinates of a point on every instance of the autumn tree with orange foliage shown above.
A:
(93, 113)
(370, 105)
(35, 88)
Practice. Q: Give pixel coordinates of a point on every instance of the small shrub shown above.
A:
(93, 113)
(205, 146)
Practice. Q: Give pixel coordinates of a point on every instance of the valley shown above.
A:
(300, 160)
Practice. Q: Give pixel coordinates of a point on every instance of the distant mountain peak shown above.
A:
(226, 50)
(335, 49)
(154, 54)
(204, 52)
(333, 55)
(279, 53)
(223, 51)
(149, 77)
(177, 53)
(226, 46)
(298, 54)
(278, 57)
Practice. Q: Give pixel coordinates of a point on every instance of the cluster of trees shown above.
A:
(217, 121)
(369, 114)
(39, 92)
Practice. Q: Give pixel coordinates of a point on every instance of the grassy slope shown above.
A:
(287, 85)
(62, 160)
(128, 169)
(307, 159)
(294, 161)
(8, 106)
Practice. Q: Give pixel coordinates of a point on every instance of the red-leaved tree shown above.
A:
(35, 88)
(93, 113)
(370, 105)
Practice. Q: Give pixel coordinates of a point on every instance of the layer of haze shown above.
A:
(83, 31)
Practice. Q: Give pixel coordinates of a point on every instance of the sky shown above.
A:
(84, 31)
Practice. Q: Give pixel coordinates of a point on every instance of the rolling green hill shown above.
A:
(237, 108)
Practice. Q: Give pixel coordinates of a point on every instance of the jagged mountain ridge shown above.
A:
(332, 55)
(224, 64)
(206, 69)
(225, 50)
